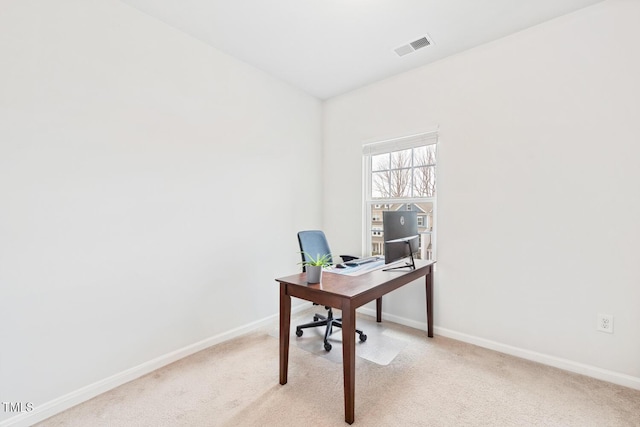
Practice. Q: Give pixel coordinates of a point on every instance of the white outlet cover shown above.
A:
(605, 323)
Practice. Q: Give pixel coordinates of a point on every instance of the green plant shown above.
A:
(319, 260)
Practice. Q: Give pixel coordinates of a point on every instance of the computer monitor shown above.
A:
(401, 236)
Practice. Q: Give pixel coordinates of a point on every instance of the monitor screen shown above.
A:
(401, 236)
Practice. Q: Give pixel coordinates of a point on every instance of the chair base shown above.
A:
(329, 321)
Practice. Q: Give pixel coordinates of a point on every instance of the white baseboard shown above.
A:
(67, 401)
(545, 359)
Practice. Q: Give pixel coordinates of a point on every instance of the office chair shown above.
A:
(314, 242)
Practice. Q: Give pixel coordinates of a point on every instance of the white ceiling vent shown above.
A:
(413, 46)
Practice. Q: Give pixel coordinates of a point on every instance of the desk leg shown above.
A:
(429, 285)
(379, 310)
(285, 323)
(349, 359)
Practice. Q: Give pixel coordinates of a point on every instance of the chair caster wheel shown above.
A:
(315, 318)
(298, 332)
(327, 346)
(363, 337)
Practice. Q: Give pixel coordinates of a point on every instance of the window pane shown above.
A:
(401, 159)
(424, 181)
(425, 215)
(400, 183)
(376, 230)
(380, 162)
(424, 156)
(425, 228)
(380, 185)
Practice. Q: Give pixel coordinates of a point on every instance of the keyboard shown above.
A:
(359, 261)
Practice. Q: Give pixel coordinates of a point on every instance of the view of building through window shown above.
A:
(402, 179)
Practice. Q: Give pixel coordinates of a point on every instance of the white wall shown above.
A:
(538, 201)
(140, 172)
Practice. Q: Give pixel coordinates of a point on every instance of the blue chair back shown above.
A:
(314, 243)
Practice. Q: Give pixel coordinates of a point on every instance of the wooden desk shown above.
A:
(347, 293)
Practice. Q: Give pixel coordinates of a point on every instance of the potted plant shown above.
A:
(313, 266)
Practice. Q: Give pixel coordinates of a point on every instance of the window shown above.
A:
(400, 174)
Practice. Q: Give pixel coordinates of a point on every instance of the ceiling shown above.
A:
(329, 47)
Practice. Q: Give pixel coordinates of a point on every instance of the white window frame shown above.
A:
(380, 147)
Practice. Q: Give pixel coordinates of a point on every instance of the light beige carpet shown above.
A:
(430, 382)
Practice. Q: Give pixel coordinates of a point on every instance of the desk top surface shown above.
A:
(352, 286)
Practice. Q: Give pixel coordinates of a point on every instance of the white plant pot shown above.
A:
(314, 273)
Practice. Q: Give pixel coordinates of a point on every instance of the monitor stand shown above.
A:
(411, 265)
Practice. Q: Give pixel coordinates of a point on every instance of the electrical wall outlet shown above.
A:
(605, 323)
